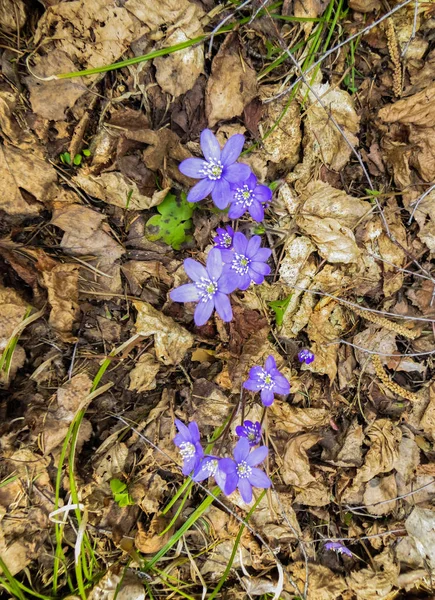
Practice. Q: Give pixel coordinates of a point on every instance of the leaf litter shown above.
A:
(90, 250)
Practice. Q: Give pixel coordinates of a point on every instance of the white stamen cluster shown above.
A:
(243, 470)
(226, 240)
(266, 380)
(211, 466)
(207, 288)
(244, 195)
(240, 263)
(212, 169)
(187, 449)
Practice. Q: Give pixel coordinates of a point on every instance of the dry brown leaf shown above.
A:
(19, 171)
(425, 217)
(171, 341)
(51, 99)
(409, 456)
(365, 5)
(421, 526)
(143, 375)
(380, 489)
(418, 109)
(335, 243)
(350, 453)
(215, 565)
(284, 144)
(320, 199)
(122, 586)
(231, 85)
(427, 422)
(114, 189)
(323, 584)
(149, 492)
(12, 313)
(151, 540)
(9, 124)
(308, 9)
(12, 14)
(423, 156)
(291, 419)
(62, 286)
(173, 14)
(301, 304)
(86, 235)
(374, 339)
(111, 464)
(210, 406)
(368, 584)
(297, 252)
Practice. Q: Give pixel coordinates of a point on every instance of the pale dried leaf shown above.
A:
(296, 467)
(374, 339)
(143, 375)
(365, 5)
(210, 406)
(171, 341)
(418, 109)
(421, 526)
(408, 458)
(368, 584)
(13, 309)
(12, 14)
(423, 157)
(114, 189)
(323, 584)
(380, 489)
(173, 14)
(427, 422)
(9, 123)
(62, 287)
(335, 243)
(291, 419)
(215, 564)
(231, 85)
(284, 144)
(122, 586)
(350, 454)
(149, 492)
(296, 254)
(111, 464)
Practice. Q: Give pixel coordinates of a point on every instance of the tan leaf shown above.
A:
(123, 586)
(380, 489)
(322, 200)
(215, 565)
(19, 172)
(210, 406)
(418, 109)
(368, 584)
(62, 287)
(323, 584)
(232, 84)
(335, 243)
(291, 419)
(173, 14)
(171, 341)
(9, 123)
(408, 458)
(421, 525)
(112, 463)
(350, 453)
(149, 492)
(114, 189)
(296, 467)
(13, 309)
(427, 422)
(12, 14)
(296, 254)
(151, 540)
(374, 339)
(143, 376)
(365, 5)
(423, 158)
(284, 143)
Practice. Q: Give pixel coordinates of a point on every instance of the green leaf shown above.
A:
(279, 307)
(65, 158)
(78, 159)
(86, 152)
(117, 486)
(173, 222)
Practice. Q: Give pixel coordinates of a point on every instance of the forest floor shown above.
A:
(336, 101)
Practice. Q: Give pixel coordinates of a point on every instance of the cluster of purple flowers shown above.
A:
(239, 472)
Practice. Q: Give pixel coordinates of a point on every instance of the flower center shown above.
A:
(251, 436)
(226, 240)
(207, 288)
(240, 264)
(187, 449)
(267, 380)
(244, 195)
(212, 169)
(243, 470)
(212, 466)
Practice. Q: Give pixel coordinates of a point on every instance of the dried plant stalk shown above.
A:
(391, 385)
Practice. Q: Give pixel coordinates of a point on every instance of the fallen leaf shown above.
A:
(143, 375)
(123, 586)
(323, 584)
(379, 490)
(409, 456)
(421, 526)
(12, 14)
(12, 314)
(308, 9)
(216, 564)
(427, 422)
(284, 144)
(9, 123)
(173, 14)
(149, 492)
(33, 175)
(171, 341)
(423, 156)
(111, 464)
(374, 339)
(114, 189)
(62, 286)
(231, 85)
(210, 406)
(335, 243)
(297, 252)
(368, 584)
(349, 453)
(291, 419)
(151, 540)
(365, 5)
(414, 110)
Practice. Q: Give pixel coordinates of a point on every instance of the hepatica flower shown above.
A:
(268, 380)
(249, 196)
(224, 238)
(209, 288)
(251, 431)
(218, 170)
(242, 472)
(305, 356)
(187, 441)
(246, 262)
(339, 548)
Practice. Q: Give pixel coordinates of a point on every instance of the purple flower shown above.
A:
(305, 356)
(242, 472)
(251, 431)
(209, 467)
(248, 195)
(218, 170)
(224, 238)
(210, 288)
(187, 441)
(339, 548)
(269, 380)
(246, 262)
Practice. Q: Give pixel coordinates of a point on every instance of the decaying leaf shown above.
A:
(350, 452)
(292, 419)
(232, 84)
(12, 313)
(323, 584)
(421, 526)
(335, 243)
(297, 252)
(148, 492)
(151, 540)
(215, 565)
(284, 144)
(62, 286)
(143, 376)
(414, 110)
(368, 584)
(111, 464)
(114, 188)
(171, 341)
(427, 422)
(377, 491)
(210, 405)
(12, 14)
(123, 586)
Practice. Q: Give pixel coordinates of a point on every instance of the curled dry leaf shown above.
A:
(123, 586)
(9, 123)
(369, 584)
(148, 492)
(291, 419)
(231, 85)
(409, 456)
(380, 489)
(143, 375)
(284, 144)
(85, 234)
(12, 313)
(423, 156)
(377, 340)
(335, 243)
(151, 540)
(20, 172)
(418, 109)
(12, 14)
(171, 341)
(323, 584)
(427, 422)
(421, 526)
(111, 464)
(296, 255)
(350, 452)
(115, 189)
(62, 286)
(210, 406)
